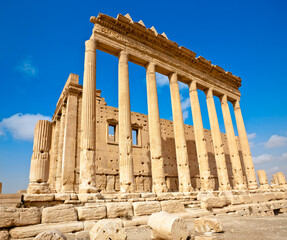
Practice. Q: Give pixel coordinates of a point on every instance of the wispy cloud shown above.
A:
(27, 68)
(21, 126)
(161, 80)
(251, 136)
(276, 141)
(262, 158)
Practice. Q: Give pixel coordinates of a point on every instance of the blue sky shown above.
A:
(42, 42)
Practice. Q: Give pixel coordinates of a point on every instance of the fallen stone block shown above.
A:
(135, 233)
(34, 230)
(168, 226)
(106, 229)
(214, 202)
(204, 225)
(94, 212)
(172, 206)
(61, 213)
(146, 208)
(51, 235)
(123, 209)
(19, 216)
(83, 235)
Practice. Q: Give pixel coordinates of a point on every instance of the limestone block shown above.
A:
(121, 209)
(269, 197)
(214, 202)
(279, 195)
(148, 195)
(202, 195)
(62, 196)
(39, 197)
(168, 226)
(205, 238)
(85, 197)
(146, 208)
(106, 229)
(4, 235)
(32, 231)
(60, 213)
(257, 198)
(135, 233)
(19, 216)
(246, 199)
(203, 225)
(51, 235)
(83, 235)
(97, 211)
(110, 183)
(235, 200)
(172, 206)
(101, 182)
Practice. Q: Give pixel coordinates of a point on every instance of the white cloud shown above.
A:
(182, 86)
(251, 136)
(283, 157)
(262, 158)
(185, 102)
(27, 68)
(276, 141)
(21, 126)
(185, 115)
(161, 80)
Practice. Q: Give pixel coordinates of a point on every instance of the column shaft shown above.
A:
(157, 165)
(39, 170)
(263, 180)
(88, 122)
(179, 135)
(125, 129)
(238, 182)
(222, 172)
(246, 153)
(69, 147)
(200, 141)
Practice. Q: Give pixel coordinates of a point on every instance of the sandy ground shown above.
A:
(251, 228)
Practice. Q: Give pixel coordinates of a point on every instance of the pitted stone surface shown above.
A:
(61, 213)
(120, 209)
(93, 212)
(51, 235)
(146, 208)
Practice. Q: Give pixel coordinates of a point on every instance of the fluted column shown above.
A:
(39, 170)
(60, 149)
(200, 141)
(246, 153)
(69, 145)
(179, 135)
(263, 180)
(54, 155)
(125, 129)
(222, 172)
(157, 166)
(88, 122)
(238, 182)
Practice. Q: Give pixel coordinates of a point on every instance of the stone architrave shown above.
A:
(263, 180)
(69, 145)
(200, 141)
(179, 135)
(157, 165)
(238, 183)
(222, 172)
(39, 170)
(60, 148)
(246, 153)
(54, 154)
(127, 182)
(88, 122)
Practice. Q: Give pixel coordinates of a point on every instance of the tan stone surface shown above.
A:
(215, 202)
(97, 211)
(135, 233)
(106, 229)
(172, 206)
(168, 226)
(120, 209)
(61, 213)
(263, 180)
(204, 225)
(146, 208)
(39, 197)
(4, 235)
(51, 235)
(32, 231)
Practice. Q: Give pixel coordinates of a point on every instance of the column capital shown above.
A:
(236, 104)
(91, 45)
(173, 78)
(192, 86)
(150, 67)
(223, 98)
(123, 53)
(208, 93)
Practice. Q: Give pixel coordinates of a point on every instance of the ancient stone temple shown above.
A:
(76, 152)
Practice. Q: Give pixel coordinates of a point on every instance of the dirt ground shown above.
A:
(252, 228)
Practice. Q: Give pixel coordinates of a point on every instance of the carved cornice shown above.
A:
(124, 25)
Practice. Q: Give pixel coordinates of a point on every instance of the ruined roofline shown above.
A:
(149, 36)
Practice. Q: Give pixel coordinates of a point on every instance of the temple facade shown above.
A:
(90, 147)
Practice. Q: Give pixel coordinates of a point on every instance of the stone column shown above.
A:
(179, 136)
(281, 180)
(274, 180)
(222, 172)
(247, 158)
(238, 182)
(69, 145)
(157, 166)
(263, 180)
(88, 122)
(39, 170)
(54, 154)
(60, 149)
(200, 141)
(127, 183)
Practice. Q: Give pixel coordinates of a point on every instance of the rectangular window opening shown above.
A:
(112, 133)
(135, 136)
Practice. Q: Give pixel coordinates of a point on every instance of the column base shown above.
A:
(159, 186)
(185, 188)
(240, 187)
(253, 186)
(127, 188)
(36, 188)
(87, 189)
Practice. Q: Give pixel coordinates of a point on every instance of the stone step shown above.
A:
(10, 195)
(10, 199)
